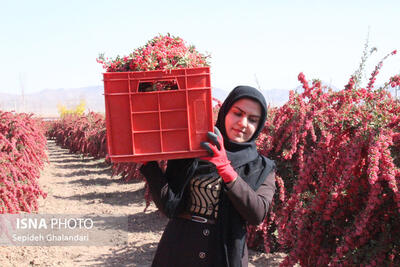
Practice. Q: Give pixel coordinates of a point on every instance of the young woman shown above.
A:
(210, 200)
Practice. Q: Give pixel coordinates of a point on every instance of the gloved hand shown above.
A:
(218, 156)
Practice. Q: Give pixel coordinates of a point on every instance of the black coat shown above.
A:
(187, 243)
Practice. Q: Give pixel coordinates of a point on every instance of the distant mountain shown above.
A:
(219, 94)
(274, 97)
(44, 103)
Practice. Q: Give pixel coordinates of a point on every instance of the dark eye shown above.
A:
(253, 120)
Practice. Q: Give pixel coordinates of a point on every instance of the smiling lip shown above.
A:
(238, 131)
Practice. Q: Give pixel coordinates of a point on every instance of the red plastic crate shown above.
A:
(143, 126)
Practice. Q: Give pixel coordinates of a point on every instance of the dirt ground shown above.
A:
(77, 185)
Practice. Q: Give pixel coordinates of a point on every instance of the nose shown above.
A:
(243, 121)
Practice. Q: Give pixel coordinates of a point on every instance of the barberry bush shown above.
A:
(22, 155)
(338, 155)
(162, 52)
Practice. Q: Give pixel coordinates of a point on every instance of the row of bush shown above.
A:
(22, 155)
(86, 135)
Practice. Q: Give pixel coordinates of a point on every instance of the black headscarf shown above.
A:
(250, 166)
(241, 153)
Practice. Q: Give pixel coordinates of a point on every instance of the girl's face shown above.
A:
(242, 120)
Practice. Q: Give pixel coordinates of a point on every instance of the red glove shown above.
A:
(218, 156)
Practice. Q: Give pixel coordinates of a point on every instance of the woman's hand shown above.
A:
(218, 156)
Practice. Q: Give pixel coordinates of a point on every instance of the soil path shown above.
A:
(77, 185)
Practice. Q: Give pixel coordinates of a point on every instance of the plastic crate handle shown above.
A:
(155, 80)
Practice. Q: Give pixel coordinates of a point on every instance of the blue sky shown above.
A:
(54, 44)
